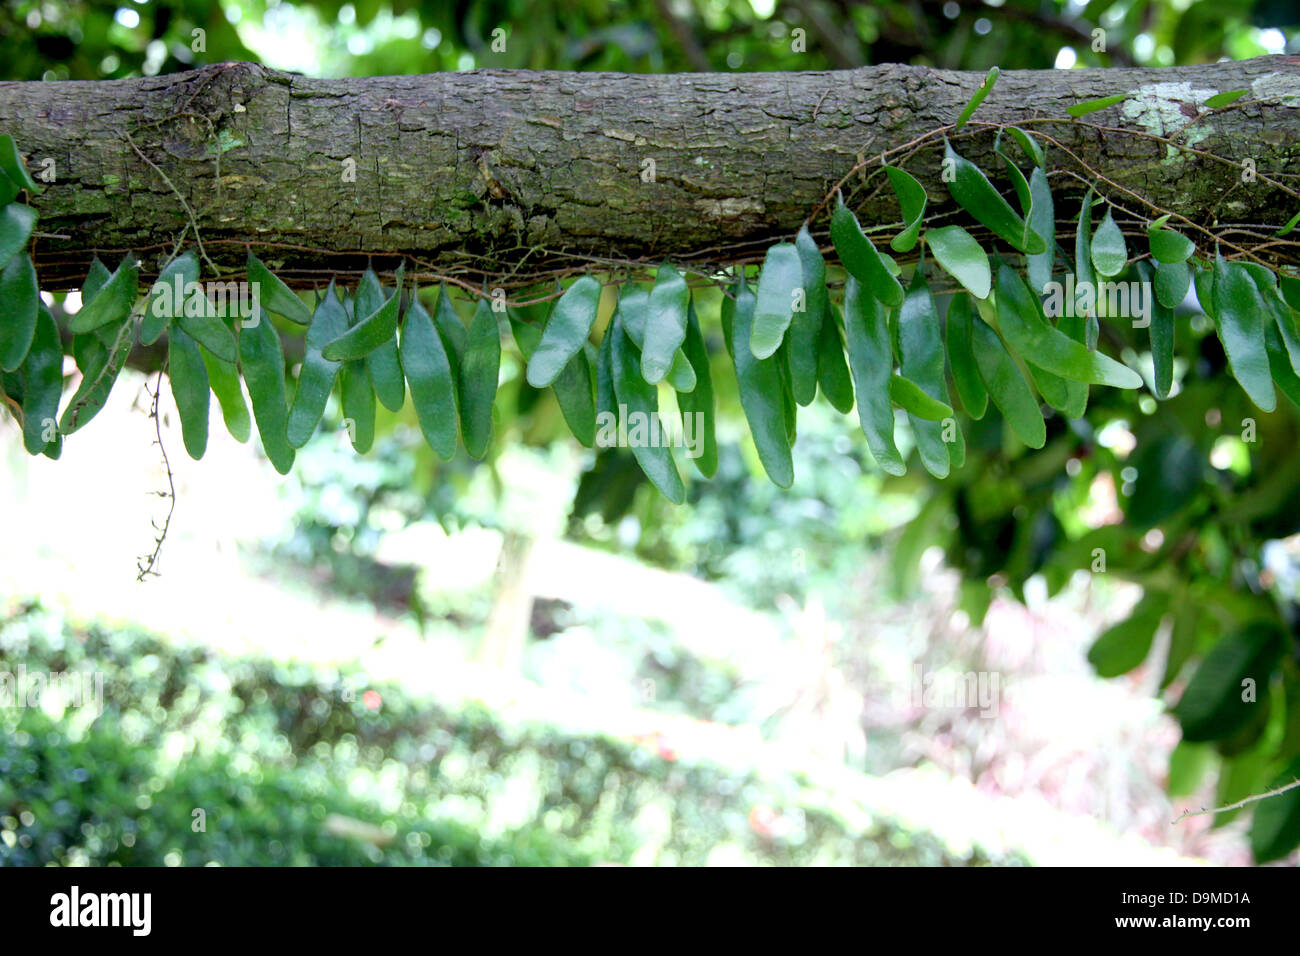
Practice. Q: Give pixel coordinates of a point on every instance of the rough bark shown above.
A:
(513, 173)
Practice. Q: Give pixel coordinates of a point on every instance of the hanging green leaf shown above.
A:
(911, 201)
(1239, 313)
(805, 329)
(200, 322)
(167, 296)
(860, 257)
(429, 374)
(112, 303)
(1109, 251)
(1125, 645)
(19, 301)
(1290, 224)
(371, 330)
(358, 400)
(832, 370)
(261, 359)
(665, 323)
(961, 257)
(761, 389)
(223, 377)
(990, 79)
(910, 397)
(872, 360)
(961, 358)
(452, 330)
(478, 379)
(780, 292)
(1168, 246)
(641, 398)
(318, 374)
(921, 361)
(189, 383)
(1161, 331)
(573, 386)
(1029, 145)
(16, 224)
(1171, 282)
(1007, 387)
(273, 295)
(1092, 106)
(696, 406)
(1212, 707)
(974, 193)
(1021, 320)
(1083, 272)
(12, 165)
(1042, 220)
(43, 374)
(1075, 402)
(100, 363)
(567, 331)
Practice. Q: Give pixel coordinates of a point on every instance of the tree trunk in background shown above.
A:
(508, 623)
(484, 173)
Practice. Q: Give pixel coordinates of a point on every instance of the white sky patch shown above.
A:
(1066, 58)
(1273, 40)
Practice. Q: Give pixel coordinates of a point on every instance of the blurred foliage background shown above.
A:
(859, 577)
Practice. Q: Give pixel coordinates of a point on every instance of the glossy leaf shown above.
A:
(429, 374)
(478, 379)
(167, 296)
(921, 361)
(566, 333)
(911, 201)
(861, 258)
(274, 295)
(318, 374)
(832, 370)
(16, 224)
(1125, 645)
(699, 402)
(1239, 313)
(780, 290)
(961, 257)
(1212, 708)
(1109, 251)
(1007, 387)
(112, 303)
(665, 323)
(974, 193)
(19, 301)
(872, 361)
(961, 358)
(261, 360)
(761, 389)
(805, 328)
(43, 374)
(189, 383)
(641, 399)
(223, 379)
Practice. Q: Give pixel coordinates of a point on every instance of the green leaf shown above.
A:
(961, 257)
(1170, 475)
(273, 295)
(805, 329)
(1007, 387)
(1219, 100)
(167, 296)
(1042, 220)
(16, 224)
(567, 330)
(100, 362)
(318, 374)
(921, 361)
(1021, 320)
(1029, 145)
(1211, 707)
(358, 399)
(479, 374)
(761, 389)
(780, 284)
(1239, 313)
(1172, 280)
(910, 397)
(1125, 645)
(1075, 402)
(665, 324)
(200, 322)
(19, 301)
(14, 168)
(189, 383)
(961, 357)
(452, 330)
(1109, 251)
(860, 257)
(223, 378)
(832, 370)
(112, 303)
(699, 401)
(262, 361)
(573, 386)
(1275, 827)
(43, 373)
(974, 193)
(641, 399)
(1168, 246)
(872, 361)
(370, 332)
(1290, 224)
(1188, 765)
(1092, 106)
(990, 79)
(429, 375)
(911, 201)
(1083, 272)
